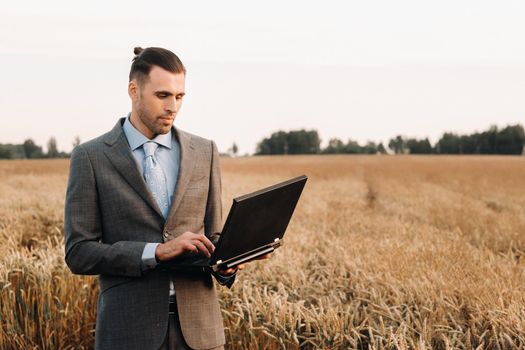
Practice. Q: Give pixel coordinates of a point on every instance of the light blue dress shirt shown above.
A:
(168, 156)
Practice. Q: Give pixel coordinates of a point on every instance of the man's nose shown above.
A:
(171, 105)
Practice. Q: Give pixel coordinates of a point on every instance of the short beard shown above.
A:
(143, 115)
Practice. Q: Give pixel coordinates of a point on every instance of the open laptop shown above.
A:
(255, 226)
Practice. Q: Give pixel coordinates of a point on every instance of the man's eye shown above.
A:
(162, 95)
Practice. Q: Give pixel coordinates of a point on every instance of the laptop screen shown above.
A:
(258, 218)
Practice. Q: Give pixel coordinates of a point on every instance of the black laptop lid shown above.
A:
(258, 218)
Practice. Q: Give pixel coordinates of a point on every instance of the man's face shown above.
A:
(156, 101)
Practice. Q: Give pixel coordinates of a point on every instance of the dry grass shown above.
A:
(382, 253)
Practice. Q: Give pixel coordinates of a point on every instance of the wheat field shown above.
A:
(383, 252)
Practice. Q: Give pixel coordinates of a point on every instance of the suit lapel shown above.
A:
(119, 154)
(187, 163)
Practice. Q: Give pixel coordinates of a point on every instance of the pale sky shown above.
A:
(366, 70)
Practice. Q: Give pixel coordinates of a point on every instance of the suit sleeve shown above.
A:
(213, 216)
(85, 253)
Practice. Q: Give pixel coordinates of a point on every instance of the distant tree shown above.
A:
(76, 141)
(510, 140)
(263, 147)
(313, 142)
(369, 148)
(275, 144)
(5, 152)
(303, 142)
(381, 149)
(353, 147)
(487, 140)
(232, 151)
(449, 143)
(31, 150)
(419, 146)
(16, 151)
(293, 142)
(334, 146)
(52, 150)
(469, 144)
(398, 145)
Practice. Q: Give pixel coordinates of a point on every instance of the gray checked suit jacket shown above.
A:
(110, 215)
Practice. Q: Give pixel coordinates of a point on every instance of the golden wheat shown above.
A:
(383, 252)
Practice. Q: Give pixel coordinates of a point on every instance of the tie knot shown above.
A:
(149, 148)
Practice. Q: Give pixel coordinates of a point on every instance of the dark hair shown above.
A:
(146, 58)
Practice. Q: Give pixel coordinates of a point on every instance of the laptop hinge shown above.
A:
(247, 256)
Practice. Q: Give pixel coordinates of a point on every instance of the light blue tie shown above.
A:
(155, 178)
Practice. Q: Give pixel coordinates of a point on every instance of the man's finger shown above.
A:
(227, 272)
(205, 241)
(201, 247)
(265, 256)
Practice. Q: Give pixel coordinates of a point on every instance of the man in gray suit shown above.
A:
(142, 193)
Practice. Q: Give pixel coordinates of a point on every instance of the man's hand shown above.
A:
(187, 242)
(232, 270)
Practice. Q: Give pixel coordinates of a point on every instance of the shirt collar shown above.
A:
(136, 139)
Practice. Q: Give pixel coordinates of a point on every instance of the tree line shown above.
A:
(30, 150)
(508, 140)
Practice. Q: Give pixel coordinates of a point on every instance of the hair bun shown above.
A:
(138, 50)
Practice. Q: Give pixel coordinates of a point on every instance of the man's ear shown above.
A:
(133, 90)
